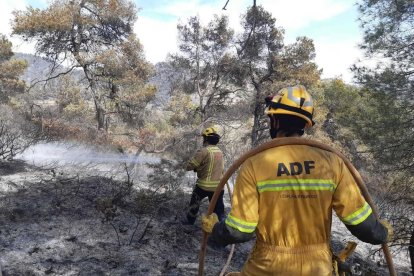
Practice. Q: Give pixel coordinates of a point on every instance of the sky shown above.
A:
(332, 24)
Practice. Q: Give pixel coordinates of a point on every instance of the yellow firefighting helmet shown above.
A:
(294, 100)
(210, 131)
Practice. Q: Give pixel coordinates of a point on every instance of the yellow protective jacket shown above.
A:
(286, 196)
(209, 165)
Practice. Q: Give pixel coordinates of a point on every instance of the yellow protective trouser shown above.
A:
(267, 259)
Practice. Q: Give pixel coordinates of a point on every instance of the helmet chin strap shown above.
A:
(273, 126)
(273, 132)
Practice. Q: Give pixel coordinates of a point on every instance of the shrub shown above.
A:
(16, 134)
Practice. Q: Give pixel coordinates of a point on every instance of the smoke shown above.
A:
(74, 154)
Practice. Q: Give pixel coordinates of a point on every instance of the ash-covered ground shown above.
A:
(55, 222)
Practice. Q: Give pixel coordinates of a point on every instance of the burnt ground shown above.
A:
(58, 224)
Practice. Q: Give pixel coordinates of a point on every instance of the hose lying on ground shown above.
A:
(283, 142)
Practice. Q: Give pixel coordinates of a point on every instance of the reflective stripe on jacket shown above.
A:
(287, 195)
(209, 165)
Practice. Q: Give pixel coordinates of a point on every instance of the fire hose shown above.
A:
(284, 142)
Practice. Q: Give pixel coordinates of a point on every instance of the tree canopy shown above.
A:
(384, 107)
(10, 71)
(269, 64)
(95, 36)
(388, 35)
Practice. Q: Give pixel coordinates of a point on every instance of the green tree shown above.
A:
(268, 64)
(10, 71)
(79, 33)
(208, 66)
(124, 72)
(387, 123)
(202, 83)
(388, 36)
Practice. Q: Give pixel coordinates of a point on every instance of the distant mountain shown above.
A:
(38, 69)
(162, 79)
(165, 78)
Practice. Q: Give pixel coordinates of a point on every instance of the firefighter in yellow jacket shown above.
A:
(285, 196)
(209, 165)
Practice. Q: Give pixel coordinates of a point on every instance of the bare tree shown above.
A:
(16, 134)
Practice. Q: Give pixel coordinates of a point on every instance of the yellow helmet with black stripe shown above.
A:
(210, 131)
(293, 100)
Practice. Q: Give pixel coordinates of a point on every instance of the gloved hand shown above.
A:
(208, 222)
(387, 225)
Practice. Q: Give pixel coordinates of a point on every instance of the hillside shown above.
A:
(85, 220)
(92, 219)
(39, 68)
